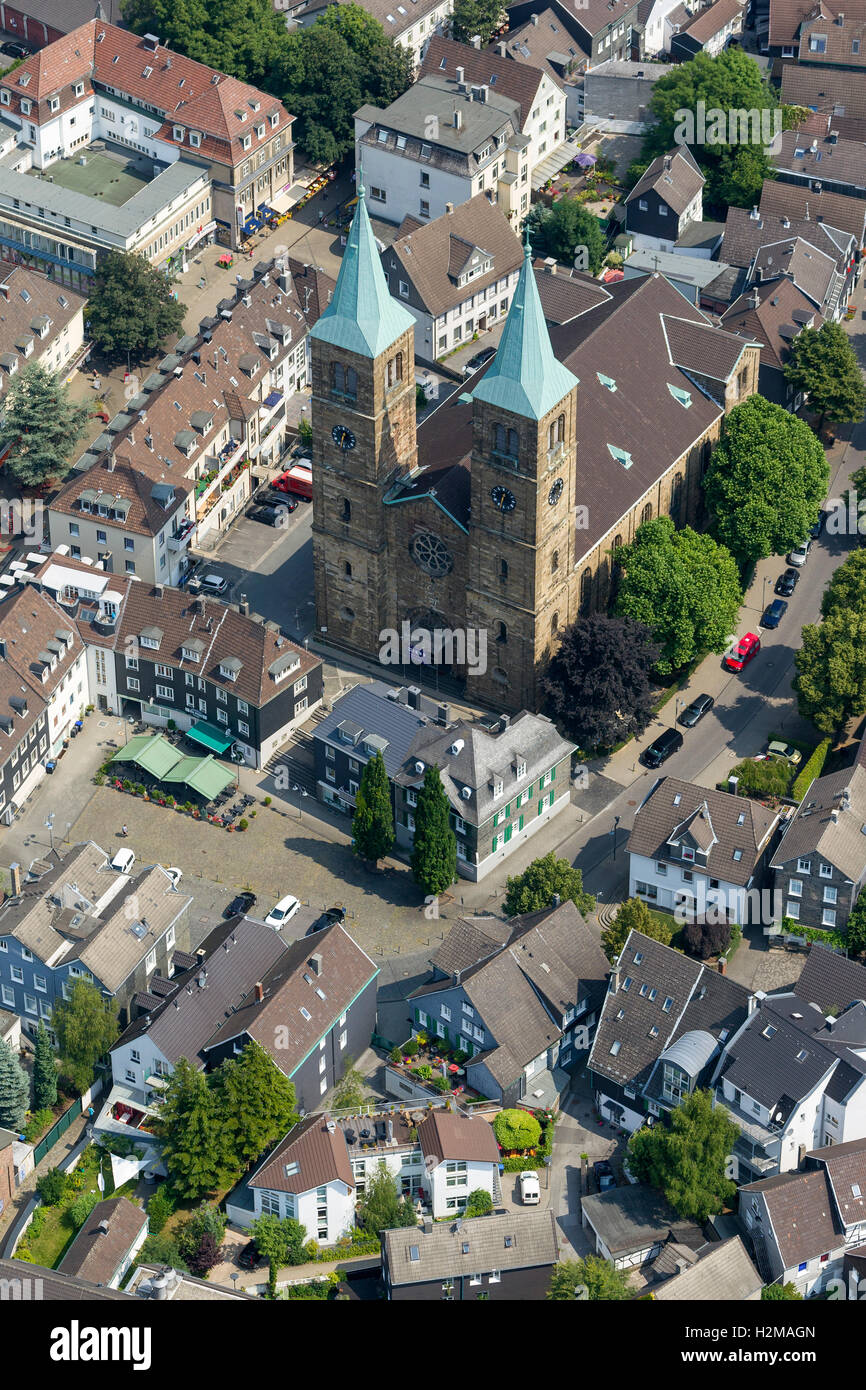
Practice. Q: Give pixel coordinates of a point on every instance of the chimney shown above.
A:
(755, 299)
(555, 900)
(315, 963)
(755, 1001)
(102, 1228)
(754, 214)
(475, 40)
(460, 74)
(550, 264)
(834, 814)
(443, 714)
(458, 120)
(109, 463)
(667, 163)
(722, 965)
(759, 274)
(504, 722)
(414, 697)
(614, 978)
(733, 783)
(244, 607)
(833, 137)
(502, 50)
(449, 208)
(15, 879)
(260, 991)
(533, 19)
(428, 1226)
(840, 20)
(157, 591)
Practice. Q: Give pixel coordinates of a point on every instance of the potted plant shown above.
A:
(267, 801)
(169, 801)
(243, 823)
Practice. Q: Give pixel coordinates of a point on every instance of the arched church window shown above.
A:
(554, 562)
(585, 590)
(347, 510)
(647, 513)
(556, 433)
(505, 441)
(502, 634)
(394, 371)
(503, 570)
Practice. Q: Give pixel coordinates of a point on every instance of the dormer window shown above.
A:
(195, 138)
(688, 854)
(178, 133)
(53, 103)
(5, 98)
(26, 107)
(79, 89)
(189, 654)
(260, 131)
(246, 141)
(497, 788)
(521, 770)
(275, 120)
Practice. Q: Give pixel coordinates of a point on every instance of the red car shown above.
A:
(740, 655)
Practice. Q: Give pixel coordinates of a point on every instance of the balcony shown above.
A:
(124, 1113)
(218, 483)
(182, 537)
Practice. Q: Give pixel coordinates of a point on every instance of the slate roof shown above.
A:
(825, 89)
(675, 177)
(777, 1060)
(484, 66)
(514, 1240)
(632, 1217)
(470, 940)
(800, 1207)
(117, 945)
(545, 45)
(711, 820)
(321, 1157)
(813, 272)
(445, 1135)
(766, 314)
(368, 707)
(745, 235)
(829, 980)
(29, 624)
(432, 255)
(813, 831)
(798, 201)
(843, 162)
(845, 1166)
(97, 1255)
(724, 1274)
(58, 1286)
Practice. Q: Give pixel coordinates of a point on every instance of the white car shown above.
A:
(174, 874)
(284, 910)
(800, 553)
(530, 1191)
(123, 861)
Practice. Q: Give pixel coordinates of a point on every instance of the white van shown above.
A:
(123, 861)
(530, 1191)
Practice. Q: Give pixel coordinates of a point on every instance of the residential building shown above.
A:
(545, 43)
(520, 998)
(107, 1243)
(695, 850)
(666, 200)
(10, 1030)
(156, 653)
(161, 1282)
(706, 30)
(485, 497)
(16, 1163)
(815, 156)
(820, 865)
(309, 1004)
(817, 257)
(723, 1274)
(663, 1027)
(630, 1225)
(704, 283)
(773, 313)
(319, 1171)
(509, 1255)
(601, 32)
(26, 1280)
(656, 17)
(37, 23)
(616, 94)
(456, 274)
(73, 917)
(832, 38)
(831, 91)
(409, 28)
(802, 1224)
(817, 205)
(41, 323)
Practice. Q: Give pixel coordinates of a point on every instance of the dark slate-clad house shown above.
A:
(520, 997)
(666, 200)
(509, 1255)
(820, 866)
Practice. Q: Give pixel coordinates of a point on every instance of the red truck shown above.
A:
(297, 480)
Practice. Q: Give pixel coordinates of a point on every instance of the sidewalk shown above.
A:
(57, 1157)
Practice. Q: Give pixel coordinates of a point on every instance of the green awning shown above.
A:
(156, 755)
(152, 752)
(210, 736)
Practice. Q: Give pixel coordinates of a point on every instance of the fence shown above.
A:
(57, 1130)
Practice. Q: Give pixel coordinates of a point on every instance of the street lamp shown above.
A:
(614, 827)
(50, 825)
(301, 794)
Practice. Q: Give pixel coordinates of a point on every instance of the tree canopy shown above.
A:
(280, 1242)
(534, 889)
(373, 821)
(236, 36)
(597, 686)
(85, 1025)
(590, 1278)
(255, 1103)
(765, 481)
(434, 847)
(40, 426)
(44, 1070)
(846, 591)
(560, 230)
(634, 915)
(687, 1157)
(473, 17)
(778, 1293)
(131, 311)
(822, 363)
(830, 683)
(683, 586)
(382, 1207)
(193, 1144)
(14, 1090)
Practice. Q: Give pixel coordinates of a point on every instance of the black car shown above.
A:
(241, 904)
(604, 1175)
(268, 515)
(249, 1258)
(478, 360)
(774, 613)
(696, 710)
(14, 50)
(274, 497)
(787, 582)
(327, 919)
(815, 531)
(662, 748)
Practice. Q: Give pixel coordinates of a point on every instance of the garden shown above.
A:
(434, 1062)
(524, 1137)
(67, 1201)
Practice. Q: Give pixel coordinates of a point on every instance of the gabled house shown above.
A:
(723, 1273)
(774, 314)
(665, 201)
(706, 29)
(42, 322)
(509, 1256)
(816, 204)
(693, 848)
(411, 29)
(107, 1243)
(521, 1005)
(831, 91)
(820, 864)
(799, 1234)
(320, 1170)
(629, 1226)
(816, 154)
(545, 42)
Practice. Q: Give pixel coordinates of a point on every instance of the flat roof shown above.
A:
(113, 181)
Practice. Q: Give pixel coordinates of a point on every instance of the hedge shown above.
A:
(812, 769)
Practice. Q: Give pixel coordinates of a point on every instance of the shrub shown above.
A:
(82, 1207)
(53, 1186)
(411, 1048)
(267, 801)
(441, 1083)
(395, 1055)
(37, 1124)
(516, 1129)
(99, 779)
(460, 1056)
(162, 1250)
(169, 800)
(159, 1209)
(425, 1071)
(126, 784)
(243, 823)
(707, 939)
(812, 769)
(769, 778)
(479, 1203)
(170, 724)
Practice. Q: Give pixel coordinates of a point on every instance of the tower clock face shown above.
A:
(503, 499)
(555, 492)
(343, 437)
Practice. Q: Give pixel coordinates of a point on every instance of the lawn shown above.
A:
(52, 1231)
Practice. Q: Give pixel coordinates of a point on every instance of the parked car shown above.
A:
(174, 874)
(743, 652)
(283, 912)
(787, 583)
(123, 860)
(268, 515)
(774, 613)
(274, 494)
(662, 748)
(327, 919)
(786, 751)
(239, 906)
(213, 584)
(815, 531)
(478, 360)
(14, 50)
(249, 1257)
(530, 1190)
(800, 554)
(696, 710)
(604, 1178)
(283, 483)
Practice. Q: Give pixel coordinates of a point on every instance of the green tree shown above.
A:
(516, 1129)
(44, 1071)
(563, 230)
(830, 683)
(634, 915)
(765, 481)
(131, 311)
(351, 1091)
(255, 1105)
(473, 17)
(373, 822)
(478, 1203)
(39, 426)
(591, 1278)
(822, 363)
(846, 591)
(53, 1186)
(85, 1026)
(687, 1157)
(194, 1147)
(597, 687)
(161, 1249)
(535, 888)
(683, 586)
(159, 1209)
(434, 848)
(280, 1242)
(382, 1208)
(238, 37)
(206, 1220)
(855, 928)
(14, 1090)
(730, 82)
(774, 1293)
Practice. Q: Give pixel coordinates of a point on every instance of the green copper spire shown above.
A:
(524, 376)
(362, 317)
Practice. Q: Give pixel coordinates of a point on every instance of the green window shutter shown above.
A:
(508, 830)
(550, 799)
(541, 806)
(520, 824)
(553, 774)
(495, 842)
(529, 792)
(507, 811)
(495, 821)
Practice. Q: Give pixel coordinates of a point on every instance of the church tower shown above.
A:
(523, 503)
(363, 418)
